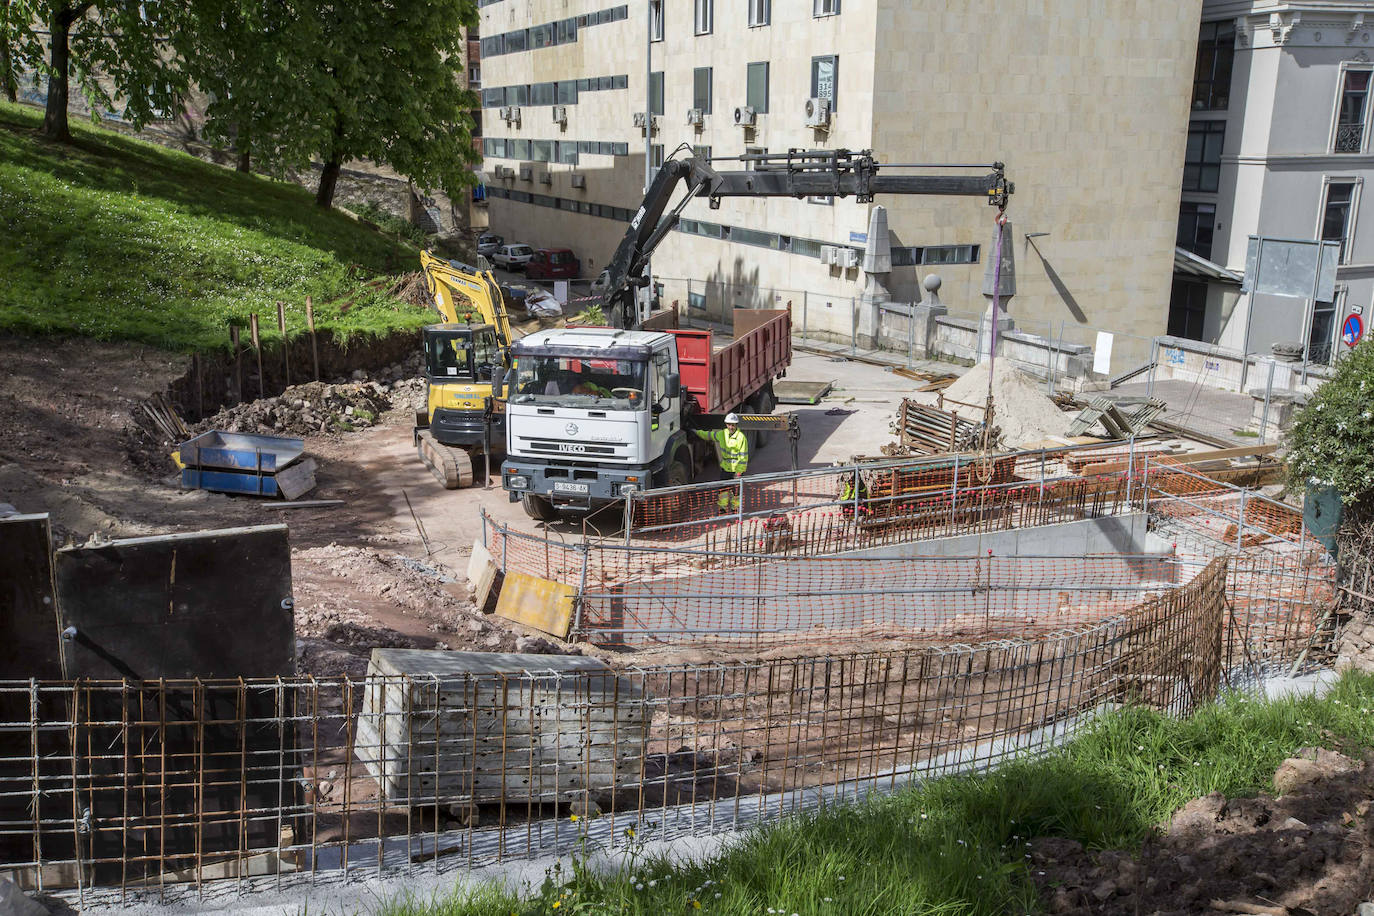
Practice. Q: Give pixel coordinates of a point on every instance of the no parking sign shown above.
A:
(1352, 330)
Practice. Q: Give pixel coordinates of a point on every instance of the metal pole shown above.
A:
(803, 314)
(1058, 348)
(1268, 390)
(739, 518)
(1154, 364)
(629, 515)
(910, 332)
(954, 492)
(648, 126)
(1145, 484)
(1240, 526)
(1309, 315)
(853, 328)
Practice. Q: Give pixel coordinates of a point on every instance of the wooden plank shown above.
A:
(540, 604)
(1187, 458)
(481, 574)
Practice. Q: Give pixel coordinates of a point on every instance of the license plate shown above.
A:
(561, 487)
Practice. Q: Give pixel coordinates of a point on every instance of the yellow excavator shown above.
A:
(466, 362)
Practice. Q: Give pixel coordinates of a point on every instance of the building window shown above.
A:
(703, 153)
(822, 200)
(1195, 223)
(474, 76)
(656, 92)
(655, 20)
(656, 157)
(760, 12)
(705, 14)
(825, 7)
(1350, 112)
(1202, 160)
(825, 77)
(701, 89)
(1336, 216)
(756, 88)
(1187, 309)
(949, 254)
(1216, 52)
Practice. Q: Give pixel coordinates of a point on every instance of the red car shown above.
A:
(553, 264)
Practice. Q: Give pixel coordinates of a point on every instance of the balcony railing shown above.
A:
(1349, 138)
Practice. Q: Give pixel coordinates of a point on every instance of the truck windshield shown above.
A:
(615, 384)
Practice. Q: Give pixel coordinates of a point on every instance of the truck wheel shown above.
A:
(538, 508)
(675, 474)
(767, 403)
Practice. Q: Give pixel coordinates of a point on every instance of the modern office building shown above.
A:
(1279, 146)
(1086, 103)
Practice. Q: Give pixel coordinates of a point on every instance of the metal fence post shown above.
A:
(1268, 392)
(739, 516)
(853, 328)
(629, 515)
(804, 314)
(954, 492)
(1240, 524)
(1154, 364)
(1145, 484)
(581, 591)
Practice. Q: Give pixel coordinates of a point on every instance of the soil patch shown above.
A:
(1306, 850)
(1021, 408)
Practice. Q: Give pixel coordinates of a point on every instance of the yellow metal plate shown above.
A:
(537, 603)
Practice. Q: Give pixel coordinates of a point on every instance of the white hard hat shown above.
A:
(732, 418)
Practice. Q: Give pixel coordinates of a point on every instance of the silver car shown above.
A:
(488, 243)
(513, 257)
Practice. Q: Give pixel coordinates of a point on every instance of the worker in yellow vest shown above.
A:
(732, 449)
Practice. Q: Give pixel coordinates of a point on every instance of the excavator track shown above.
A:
(452, 467)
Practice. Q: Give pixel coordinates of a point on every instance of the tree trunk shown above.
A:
(329, 178)
(245, 163)
(55, 118)
(7, 80)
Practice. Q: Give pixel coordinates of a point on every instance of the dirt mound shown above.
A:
(1022, 410)
(1308, 850)
(304, 410)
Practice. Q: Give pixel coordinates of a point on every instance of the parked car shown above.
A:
(553, 264)
(488, 243)
(512, 257)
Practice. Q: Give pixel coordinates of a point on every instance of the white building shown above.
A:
(1085, 102)
(1278, 146)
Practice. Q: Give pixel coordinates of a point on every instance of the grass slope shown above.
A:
(118, 239)
(957, 845)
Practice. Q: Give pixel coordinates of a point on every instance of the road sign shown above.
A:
(1352, 330)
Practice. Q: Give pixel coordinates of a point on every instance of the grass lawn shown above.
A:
(957, 845)
(118, 239)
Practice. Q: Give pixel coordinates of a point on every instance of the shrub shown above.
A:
(1332, 439)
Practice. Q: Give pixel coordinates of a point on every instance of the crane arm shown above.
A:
(449, 280)
(796, 173)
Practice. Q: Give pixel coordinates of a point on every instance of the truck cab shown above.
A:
(593, 414)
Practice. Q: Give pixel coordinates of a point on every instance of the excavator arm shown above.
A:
(797, 173)
(466, 294)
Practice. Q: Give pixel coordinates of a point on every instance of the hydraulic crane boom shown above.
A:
(797, 173)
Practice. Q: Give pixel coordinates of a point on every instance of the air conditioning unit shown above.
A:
(817, 112)
(642, 118)
(579, 180)
(503, 171)
(526, 173)
(829, 254)
(514, 114)
(505, 112)
(745, 116)
(848, 257)
(545, 178)
(560, 114)
(695, 117)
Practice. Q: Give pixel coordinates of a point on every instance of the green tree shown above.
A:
(1332, 439)
(19, 44)
(381, 82)
(125, 42)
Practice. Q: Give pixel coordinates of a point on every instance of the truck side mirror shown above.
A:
(498, 380)
(674, 385)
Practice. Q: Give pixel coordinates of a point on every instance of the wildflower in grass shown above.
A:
(639, 887)
(653, 883)
(573, 818)
(696, 904)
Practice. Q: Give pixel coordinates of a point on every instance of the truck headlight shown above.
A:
(625, 489)
(516, 482)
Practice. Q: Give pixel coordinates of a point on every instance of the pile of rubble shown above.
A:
(308, 409)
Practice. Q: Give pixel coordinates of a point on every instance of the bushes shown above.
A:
(1332, 439)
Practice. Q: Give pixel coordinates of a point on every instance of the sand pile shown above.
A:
(1023, 411)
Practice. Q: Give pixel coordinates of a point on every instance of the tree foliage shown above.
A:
(314, 80)
(20, 48)
(1332, 439)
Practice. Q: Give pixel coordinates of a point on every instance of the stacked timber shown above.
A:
(470, 728)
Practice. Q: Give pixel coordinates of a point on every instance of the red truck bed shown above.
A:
(722, 380)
